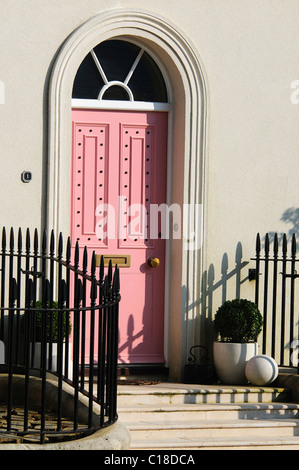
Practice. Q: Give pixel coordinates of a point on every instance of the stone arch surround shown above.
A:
(187, 86)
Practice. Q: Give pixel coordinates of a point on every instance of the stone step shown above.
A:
(209, 429)
(242, 411)
(177, 416)
(240, 443)
(177, 394)
(194, 426)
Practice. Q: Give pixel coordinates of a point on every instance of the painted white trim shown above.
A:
(99, 67)
(188, 84)
(121, 105)
(123, 84)
(131, 71)
(168, 245)
(116, 83)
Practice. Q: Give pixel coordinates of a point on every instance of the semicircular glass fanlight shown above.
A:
(119, 70)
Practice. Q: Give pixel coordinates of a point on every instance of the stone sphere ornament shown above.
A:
(261, 370)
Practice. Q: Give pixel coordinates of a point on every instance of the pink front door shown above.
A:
(118, 174)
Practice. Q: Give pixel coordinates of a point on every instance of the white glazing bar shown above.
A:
(99, 67)
(120, 105)
(115, 83)
(134, 66)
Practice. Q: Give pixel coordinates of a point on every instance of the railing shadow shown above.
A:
(212, 288)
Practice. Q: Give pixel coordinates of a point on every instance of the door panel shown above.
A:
(119, 159)
(89, 180)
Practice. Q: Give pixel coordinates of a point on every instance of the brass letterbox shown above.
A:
(122, 261)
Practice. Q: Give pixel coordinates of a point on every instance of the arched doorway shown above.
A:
(186, 176)
(118, 176)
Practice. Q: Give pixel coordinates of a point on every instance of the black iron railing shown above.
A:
(68, 312)
(275, 277)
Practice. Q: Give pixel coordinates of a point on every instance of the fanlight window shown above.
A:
(119, 70)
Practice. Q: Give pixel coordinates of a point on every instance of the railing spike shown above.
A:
(85, 257)
(11, 240)
(115, 286)
(284, 244)
(258, 244)
(52, 243)
(3, 239)
(60, 245)
(110, 271)
(20, 243)
(102, 269)
(68, 250)
(27, 240)
(93, 263)
(267, 244)
(76, 257)
(294, 245)
(35, 240)
(275, 244)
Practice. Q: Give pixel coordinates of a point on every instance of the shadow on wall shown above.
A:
(290, 216)
(212, 289)
(210, 285)
(215, 291)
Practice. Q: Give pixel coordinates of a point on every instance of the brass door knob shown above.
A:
(153, 262)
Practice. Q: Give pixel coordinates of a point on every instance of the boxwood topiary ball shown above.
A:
(238, 321)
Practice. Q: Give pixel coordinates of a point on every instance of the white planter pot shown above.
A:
(37, 357)
(230, 360)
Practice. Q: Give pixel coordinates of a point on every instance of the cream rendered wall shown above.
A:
(249, 52)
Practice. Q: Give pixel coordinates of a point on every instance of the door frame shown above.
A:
(112, 105)
(187, 85)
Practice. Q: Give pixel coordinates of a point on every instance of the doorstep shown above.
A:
(180, 393)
